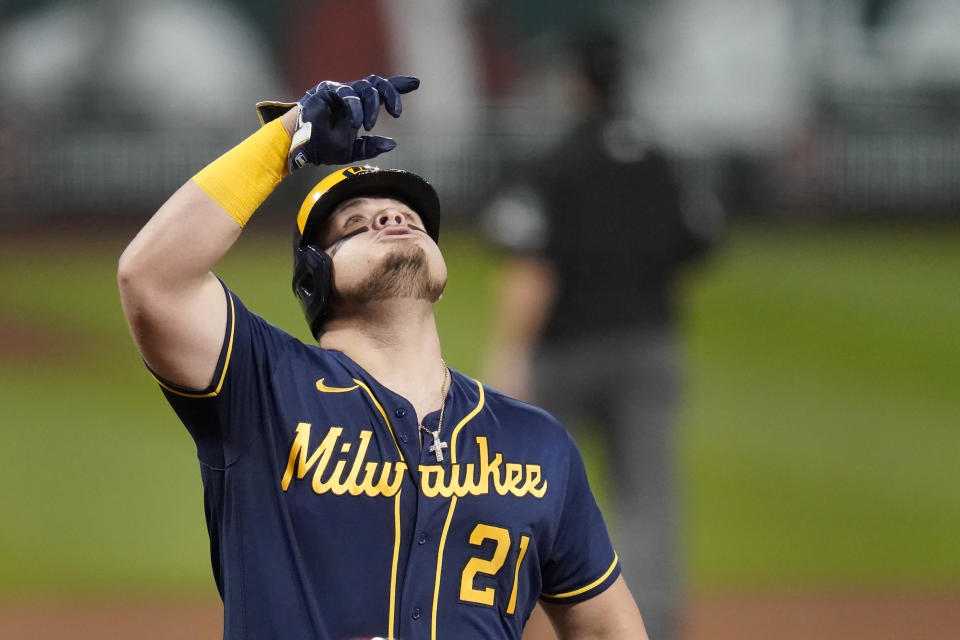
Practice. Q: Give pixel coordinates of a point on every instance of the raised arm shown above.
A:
(173, 304)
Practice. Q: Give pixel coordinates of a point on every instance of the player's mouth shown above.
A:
(397, 232)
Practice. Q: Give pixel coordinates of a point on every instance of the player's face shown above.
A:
(380, 250)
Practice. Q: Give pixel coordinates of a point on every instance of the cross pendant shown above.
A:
(438, 445)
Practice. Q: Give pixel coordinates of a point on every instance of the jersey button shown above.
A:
(422, 538)
(416, 613)
(400, 412)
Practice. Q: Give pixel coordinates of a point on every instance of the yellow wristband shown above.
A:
(242, 178)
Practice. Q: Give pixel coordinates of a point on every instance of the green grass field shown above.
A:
(819, 434)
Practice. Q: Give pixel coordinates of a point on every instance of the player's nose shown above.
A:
(388, 218)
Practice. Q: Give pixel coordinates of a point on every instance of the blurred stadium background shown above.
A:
(820, 422)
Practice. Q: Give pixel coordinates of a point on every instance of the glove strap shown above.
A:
(242, 178)
(269, 110)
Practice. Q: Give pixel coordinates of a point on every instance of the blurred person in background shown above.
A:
(596, 232)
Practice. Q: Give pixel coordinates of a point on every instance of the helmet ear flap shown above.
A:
(313, 284)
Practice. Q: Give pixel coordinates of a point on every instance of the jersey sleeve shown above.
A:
(582, 562)
(222, 418)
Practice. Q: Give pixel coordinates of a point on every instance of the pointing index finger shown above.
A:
(404, 84)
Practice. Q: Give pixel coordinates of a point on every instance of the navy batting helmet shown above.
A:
(312, 267)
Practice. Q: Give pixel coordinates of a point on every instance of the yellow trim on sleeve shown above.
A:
(396, 559)
(467, 418)
(436, 584)
(226, 364)
(383, 413)
(570, 594)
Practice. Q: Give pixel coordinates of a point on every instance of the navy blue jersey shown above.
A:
(328, 519)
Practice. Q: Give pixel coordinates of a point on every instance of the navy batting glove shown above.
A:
(331, 115)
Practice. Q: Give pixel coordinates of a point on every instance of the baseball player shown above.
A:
(359, 486)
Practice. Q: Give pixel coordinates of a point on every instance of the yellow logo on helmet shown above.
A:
(356, 171)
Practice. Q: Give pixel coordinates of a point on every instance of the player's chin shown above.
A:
(418, 256)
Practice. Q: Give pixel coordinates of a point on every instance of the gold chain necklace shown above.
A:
(439, 445)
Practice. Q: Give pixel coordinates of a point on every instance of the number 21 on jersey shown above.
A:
(491, 566)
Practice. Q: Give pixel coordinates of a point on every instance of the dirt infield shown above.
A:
(823, 617)
(715, 617)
